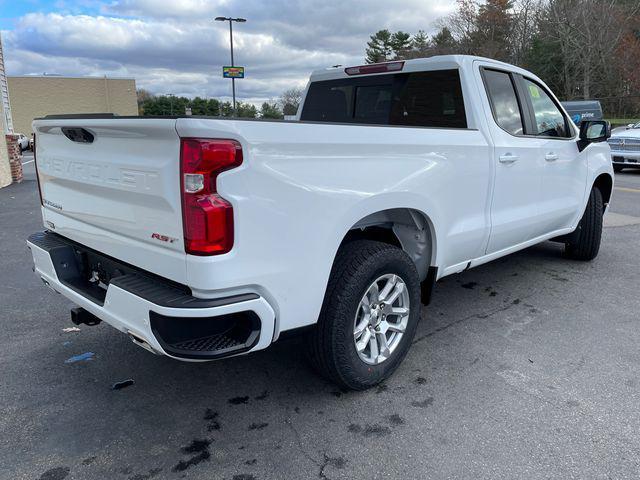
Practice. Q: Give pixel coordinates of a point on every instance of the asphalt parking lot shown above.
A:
(527, 367)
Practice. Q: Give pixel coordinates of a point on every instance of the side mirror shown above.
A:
(630, 126)
(593, 131)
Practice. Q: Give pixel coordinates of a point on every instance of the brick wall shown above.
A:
(15, 157)
(5, 168)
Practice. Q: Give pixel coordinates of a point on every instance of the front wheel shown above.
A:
(369, 316)
(585, 243)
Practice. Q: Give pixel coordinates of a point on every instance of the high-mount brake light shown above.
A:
(375, 68)
(207, 218)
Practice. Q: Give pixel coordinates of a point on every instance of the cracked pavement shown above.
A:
(526, 367)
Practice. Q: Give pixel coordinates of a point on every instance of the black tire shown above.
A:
(586, 242)
(617, 168)
(331, 344)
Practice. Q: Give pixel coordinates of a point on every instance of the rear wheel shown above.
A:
(617, 168)
(585, 243)
(369, 315)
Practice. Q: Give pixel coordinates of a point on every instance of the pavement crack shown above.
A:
(490, 313)
(337, 462)
(306, 454)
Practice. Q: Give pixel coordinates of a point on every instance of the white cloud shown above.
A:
(175, 46)
(162, 8)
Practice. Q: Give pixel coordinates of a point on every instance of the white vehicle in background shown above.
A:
(23, 141)
(625, 127)
(625, 147)
(202, 238)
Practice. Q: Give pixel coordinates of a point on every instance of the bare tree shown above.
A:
(290, 100)
(525, 20)
(463, 25)
(588, 32)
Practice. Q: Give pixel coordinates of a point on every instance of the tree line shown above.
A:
(163, 105)
(583, 49)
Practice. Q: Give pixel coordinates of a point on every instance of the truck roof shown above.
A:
(436, 62)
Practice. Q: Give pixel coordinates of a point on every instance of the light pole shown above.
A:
(233, 80)
(171, 96)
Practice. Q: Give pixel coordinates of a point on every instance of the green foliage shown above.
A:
(163, 105)
(379, 48)
(420, 44)
(443, 42)
(400, 44)
(205, 106)
(545, 59)
(270, 110)
(580, 48)
(493, 29)
(246, 110)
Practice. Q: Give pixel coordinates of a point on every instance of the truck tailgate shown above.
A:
(113, 185)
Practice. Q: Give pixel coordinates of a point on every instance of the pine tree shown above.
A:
(420, 45)
(400, 44)
(379, 48)
(494, 25)
(443, 42)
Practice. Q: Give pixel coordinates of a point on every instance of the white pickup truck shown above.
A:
(202, 238)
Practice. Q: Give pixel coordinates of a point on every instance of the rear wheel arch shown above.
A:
(406, 228)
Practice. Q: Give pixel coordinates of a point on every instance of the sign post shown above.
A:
(232, 72)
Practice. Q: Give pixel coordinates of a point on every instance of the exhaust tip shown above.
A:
(141, 342)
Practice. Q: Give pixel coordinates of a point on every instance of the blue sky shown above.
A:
(174, 46)
(12, 10)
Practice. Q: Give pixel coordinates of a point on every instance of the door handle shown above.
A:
(551, 157)
(508, 158)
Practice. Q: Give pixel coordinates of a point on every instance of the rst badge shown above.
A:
(163, 238)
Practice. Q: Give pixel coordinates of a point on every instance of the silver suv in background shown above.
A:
(625, 147)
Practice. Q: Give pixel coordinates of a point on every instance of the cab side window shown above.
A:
(504, 102)
(549, 120)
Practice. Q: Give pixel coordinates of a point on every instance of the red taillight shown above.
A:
(207, 217)
(35, 164)
(375, 68)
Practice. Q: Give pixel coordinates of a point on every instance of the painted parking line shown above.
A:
(26, 163)
(627, 189)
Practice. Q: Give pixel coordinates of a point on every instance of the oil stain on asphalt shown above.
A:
(199, 451)
(58, 473)
(212, 418)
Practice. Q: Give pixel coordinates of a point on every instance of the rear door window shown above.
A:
(421, 99)
(504, 102)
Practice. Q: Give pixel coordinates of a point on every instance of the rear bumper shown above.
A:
(157, 314)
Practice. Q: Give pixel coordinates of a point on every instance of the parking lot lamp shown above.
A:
(233, 80)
